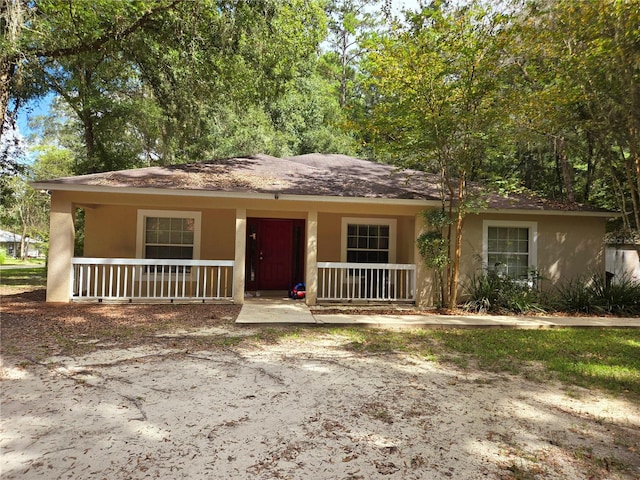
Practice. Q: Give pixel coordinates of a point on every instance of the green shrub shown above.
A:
(574, 296)
(494, 293)
(595, 294)
(3, 255)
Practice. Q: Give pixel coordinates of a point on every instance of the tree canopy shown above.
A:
(541, 95)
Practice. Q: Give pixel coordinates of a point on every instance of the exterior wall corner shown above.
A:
(311, 296)
(61, 245)
(240, 252)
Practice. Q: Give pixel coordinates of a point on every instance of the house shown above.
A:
(346, 227)
(13, 244)
(10, 242)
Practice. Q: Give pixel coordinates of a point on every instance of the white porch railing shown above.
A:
(366, 282)
(150, 279)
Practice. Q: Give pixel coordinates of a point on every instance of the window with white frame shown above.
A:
(168, 234)
(510, 248)
(368, 240)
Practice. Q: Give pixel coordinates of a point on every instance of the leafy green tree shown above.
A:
(434, 94)
(350, 22)
(143, 78)
(578, 84)
(27, 212)
(37, 32)
(230, 57)
(309, 119)
(12, 152)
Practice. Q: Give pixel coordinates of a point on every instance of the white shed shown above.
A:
(622, 261)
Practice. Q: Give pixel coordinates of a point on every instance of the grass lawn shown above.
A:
(587, 357)
(34, 276)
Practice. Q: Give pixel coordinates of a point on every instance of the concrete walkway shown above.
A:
(274, 310)
(286, 311)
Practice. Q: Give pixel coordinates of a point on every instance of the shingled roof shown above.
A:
(328, 175)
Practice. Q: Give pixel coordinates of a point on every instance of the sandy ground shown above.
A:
(298, 408)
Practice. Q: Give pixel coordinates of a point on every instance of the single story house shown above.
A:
(13, 244)
(345, 227)
(10, 242)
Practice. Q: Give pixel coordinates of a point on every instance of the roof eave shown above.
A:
(296, 197)
(219, 194)
(538, 211)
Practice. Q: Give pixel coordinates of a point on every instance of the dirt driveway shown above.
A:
(295, 406)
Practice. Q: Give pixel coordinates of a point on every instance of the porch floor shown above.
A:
(273, 310)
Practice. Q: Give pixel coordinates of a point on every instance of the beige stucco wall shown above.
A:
(330, 235)
(61, 238)
(568, 245)
(111, 231)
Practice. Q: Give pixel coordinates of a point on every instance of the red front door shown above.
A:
(273, 252)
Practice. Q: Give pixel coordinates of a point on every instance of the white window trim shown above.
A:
(197, 227)
(392, 223)
(533, 239)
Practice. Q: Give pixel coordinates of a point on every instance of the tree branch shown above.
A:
(102, 40)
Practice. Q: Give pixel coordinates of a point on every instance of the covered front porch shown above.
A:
(231, 276)
(159, 280)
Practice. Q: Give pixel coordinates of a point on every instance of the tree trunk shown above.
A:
(633, 171)
(89, 142)
(11, 18)
(7, 70)
(343, 76)
(591, 167)
(455, 269)
(567, 177)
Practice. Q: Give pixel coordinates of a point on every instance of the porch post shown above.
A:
(424, 286)
(61, 239)
(311, 280)
(241, 246)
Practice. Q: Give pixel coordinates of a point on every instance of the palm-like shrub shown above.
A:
(494, 293)
(596, 294)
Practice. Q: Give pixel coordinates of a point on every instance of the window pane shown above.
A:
(175, 237)
(164, 236)
(493, 260)
(368, 243)
(177, 224)
(523, 246)
(167, 237)
(151, 223)
(182, 252)
(151, 236)
(508, 250)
